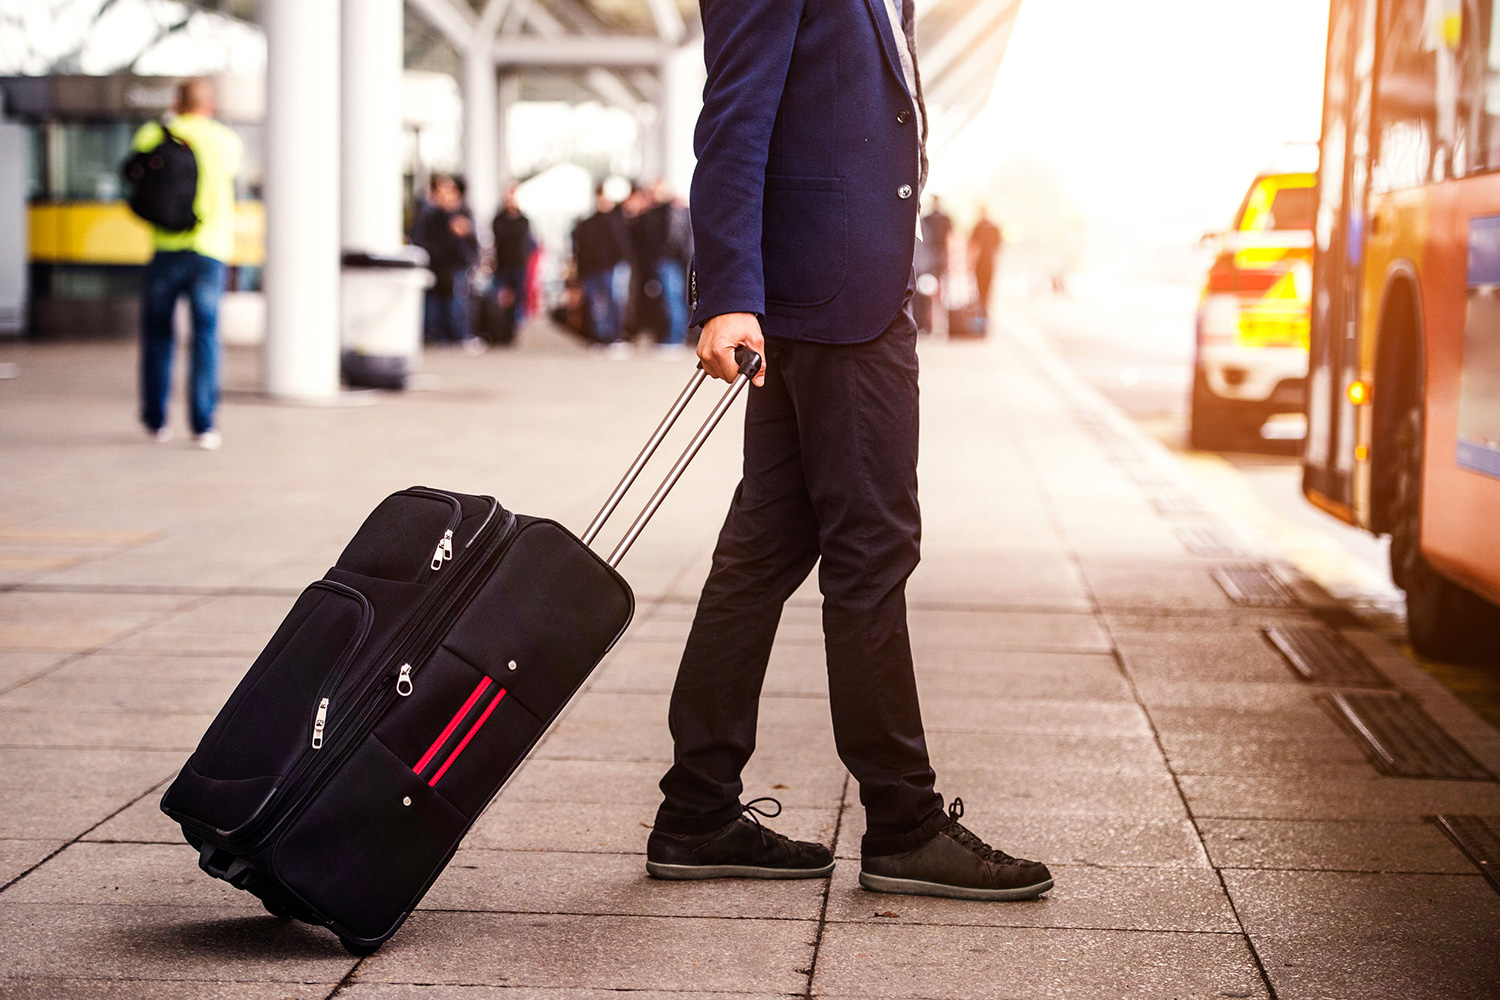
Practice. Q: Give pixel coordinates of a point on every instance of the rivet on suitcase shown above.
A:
(401, 692)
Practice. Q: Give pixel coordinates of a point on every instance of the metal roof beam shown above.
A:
(578, 51)
(454, 20)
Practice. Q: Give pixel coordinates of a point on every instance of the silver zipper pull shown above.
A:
(444, 551)
(403, 681)
(319, 723)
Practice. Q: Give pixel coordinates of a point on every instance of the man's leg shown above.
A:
(767, 546)
(203, 297)
(674, 300)
(857, 410)
(597, 294)
(159, 289)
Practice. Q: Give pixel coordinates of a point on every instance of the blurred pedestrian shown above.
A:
(937, 231)
(599, 248)
(190, 263)
(642, 301)
(445, 229)
(984, 247)
(804, 236)
(666, 247)
(513, 247)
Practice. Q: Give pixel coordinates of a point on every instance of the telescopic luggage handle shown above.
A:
(749, 364)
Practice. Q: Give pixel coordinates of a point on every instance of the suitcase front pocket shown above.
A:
(461, 731)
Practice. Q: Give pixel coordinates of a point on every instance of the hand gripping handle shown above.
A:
(749, 365)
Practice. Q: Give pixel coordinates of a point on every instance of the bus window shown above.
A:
(1407, 143)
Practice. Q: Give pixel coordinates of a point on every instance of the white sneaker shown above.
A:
(475, 346)
(208, 440)
(671, 352)
(619, 350)
(161, 435)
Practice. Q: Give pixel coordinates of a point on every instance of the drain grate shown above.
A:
(1208, 539)
(1403, 740)
(1176, 505)
(1322, 656)
(1254, 586)
(1479, 838)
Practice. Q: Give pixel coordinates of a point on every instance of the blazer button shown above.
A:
(902, 117)
(903, 192)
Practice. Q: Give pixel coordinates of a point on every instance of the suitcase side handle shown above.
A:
(749, 365)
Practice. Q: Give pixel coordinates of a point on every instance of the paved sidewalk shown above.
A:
(1091, 692)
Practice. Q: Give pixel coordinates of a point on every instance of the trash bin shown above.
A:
(382, 316)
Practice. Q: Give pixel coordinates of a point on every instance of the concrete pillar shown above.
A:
(682, 77)
(509, 94)
(372, 181)
(302, 198)
(481, 143)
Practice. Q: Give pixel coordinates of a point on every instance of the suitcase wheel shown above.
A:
(357, 949)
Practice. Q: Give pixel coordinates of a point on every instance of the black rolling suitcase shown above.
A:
(399, 695)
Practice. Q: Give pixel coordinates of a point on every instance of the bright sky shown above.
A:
(1154, 113)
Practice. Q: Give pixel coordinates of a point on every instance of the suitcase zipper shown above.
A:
(340, 730)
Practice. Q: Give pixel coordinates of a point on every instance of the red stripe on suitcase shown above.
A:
(467, 737)
(452, 725)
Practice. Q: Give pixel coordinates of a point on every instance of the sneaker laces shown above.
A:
(966, 837)
(751, 812)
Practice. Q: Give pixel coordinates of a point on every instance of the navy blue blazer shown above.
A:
(804, 201)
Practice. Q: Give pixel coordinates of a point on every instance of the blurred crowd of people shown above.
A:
(628, 274)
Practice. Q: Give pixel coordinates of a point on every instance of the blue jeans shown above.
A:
(445, 317)
(674, 299)
(599, 294)
(170, 275)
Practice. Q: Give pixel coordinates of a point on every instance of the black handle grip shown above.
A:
(748, 361)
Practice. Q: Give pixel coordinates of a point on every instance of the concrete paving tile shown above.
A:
(995, 579)
(955, 752)
(415, 991)
(1295, 721)
(935, 631)
(1003, 790)
(1375, 799)
(1034, 715)
(17, 665)
(601, 952)
(43, 727)
(1094, 839)
(1333, 934)
(1131, 899)
(558, 882)
(72, 622)
(1196, 651)
(60, 793)
(154, 668)
(1022, 674)
(1001, 963)
(578, 783)
(201, 943)
(92, 874)
(1130, 584)
(1322, 756)
(18, 855)
(1263, 696)
(140, 823)
(1332, 846)
(608, 828)
(119, 694)
(157, 989)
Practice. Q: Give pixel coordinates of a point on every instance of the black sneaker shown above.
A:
(744, 848)
(957, 864)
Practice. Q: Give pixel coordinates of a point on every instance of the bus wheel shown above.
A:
(1444, 621)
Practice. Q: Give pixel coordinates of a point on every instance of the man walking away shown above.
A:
(598, 247)
(984, 246)
(670, 236)
(513, 247)
(804, 203)
(189, 263)
(445, 229)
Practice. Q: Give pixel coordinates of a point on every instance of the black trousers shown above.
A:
(830, 473)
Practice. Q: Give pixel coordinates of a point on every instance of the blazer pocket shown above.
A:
(804, 239)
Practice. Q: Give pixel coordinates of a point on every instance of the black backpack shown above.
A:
(164, 183)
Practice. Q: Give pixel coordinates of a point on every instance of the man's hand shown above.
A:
(721, 335)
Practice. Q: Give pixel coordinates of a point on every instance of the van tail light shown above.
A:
(1226, 276)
